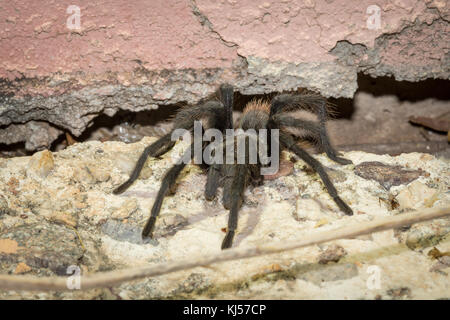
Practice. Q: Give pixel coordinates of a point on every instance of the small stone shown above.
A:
(427, 234)
(98, 172)
(386, 175)
(61, 217)
(91, 174)
(169, 224)
(416, 195)
(41, 164)
(274, 267)
(336, 176)
(129, 206)
(146, 172)
(426, 157)
(81, 176)
(332, 254)
(124, 162)
(22, 268)
(8, 246)
(125, 232)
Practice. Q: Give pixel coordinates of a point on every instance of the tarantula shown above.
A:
(279, 113)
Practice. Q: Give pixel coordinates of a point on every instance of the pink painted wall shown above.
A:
(166, 34)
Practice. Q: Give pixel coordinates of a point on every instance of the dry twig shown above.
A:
(112, 278)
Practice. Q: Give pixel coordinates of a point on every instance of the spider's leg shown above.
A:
(227, 194)
(317, 131)
(167, 184)
(316, 104)
(237, 191)
(212, 181)
(156, 149)
(226, 96)
(325, 140)
(184, 119)
(289, 143)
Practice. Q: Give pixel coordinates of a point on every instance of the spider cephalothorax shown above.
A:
(279, 114)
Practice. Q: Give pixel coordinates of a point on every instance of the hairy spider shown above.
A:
(281, 113)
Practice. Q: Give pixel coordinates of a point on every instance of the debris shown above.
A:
(442, 125)
(386, 175)
(436, 254)
(332, 254)
(22, 268)
(70, 139)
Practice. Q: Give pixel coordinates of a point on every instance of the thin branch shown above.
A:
(112, 278)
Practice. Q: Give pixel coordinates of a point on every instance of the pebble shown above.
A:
(41, 164)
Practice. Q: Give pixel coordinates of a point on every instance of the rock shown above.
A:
(108, 230)
(61, 217)
(89, 173)
(332, 254)
(386, 175)
(129, 206)
(427, 234)
(41, 163)
(146, 172)
(98, 172)
(416, 195)
(123, 232)
(38, 134)
(22, 268)
(8, 246)
(170, 224)
(48, 249)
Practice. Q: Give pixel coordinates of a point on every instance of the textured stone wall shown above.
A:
(143, 54)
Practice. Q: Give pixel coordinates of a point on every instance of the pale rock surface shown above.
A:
(70, 217)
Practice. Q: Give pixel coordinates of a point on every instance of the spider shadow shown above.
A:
(254, 216)
(215, 208)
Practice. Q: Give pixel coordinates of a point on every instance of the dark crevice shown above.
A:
(405, 91)
(130, 126)
(13, 150)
